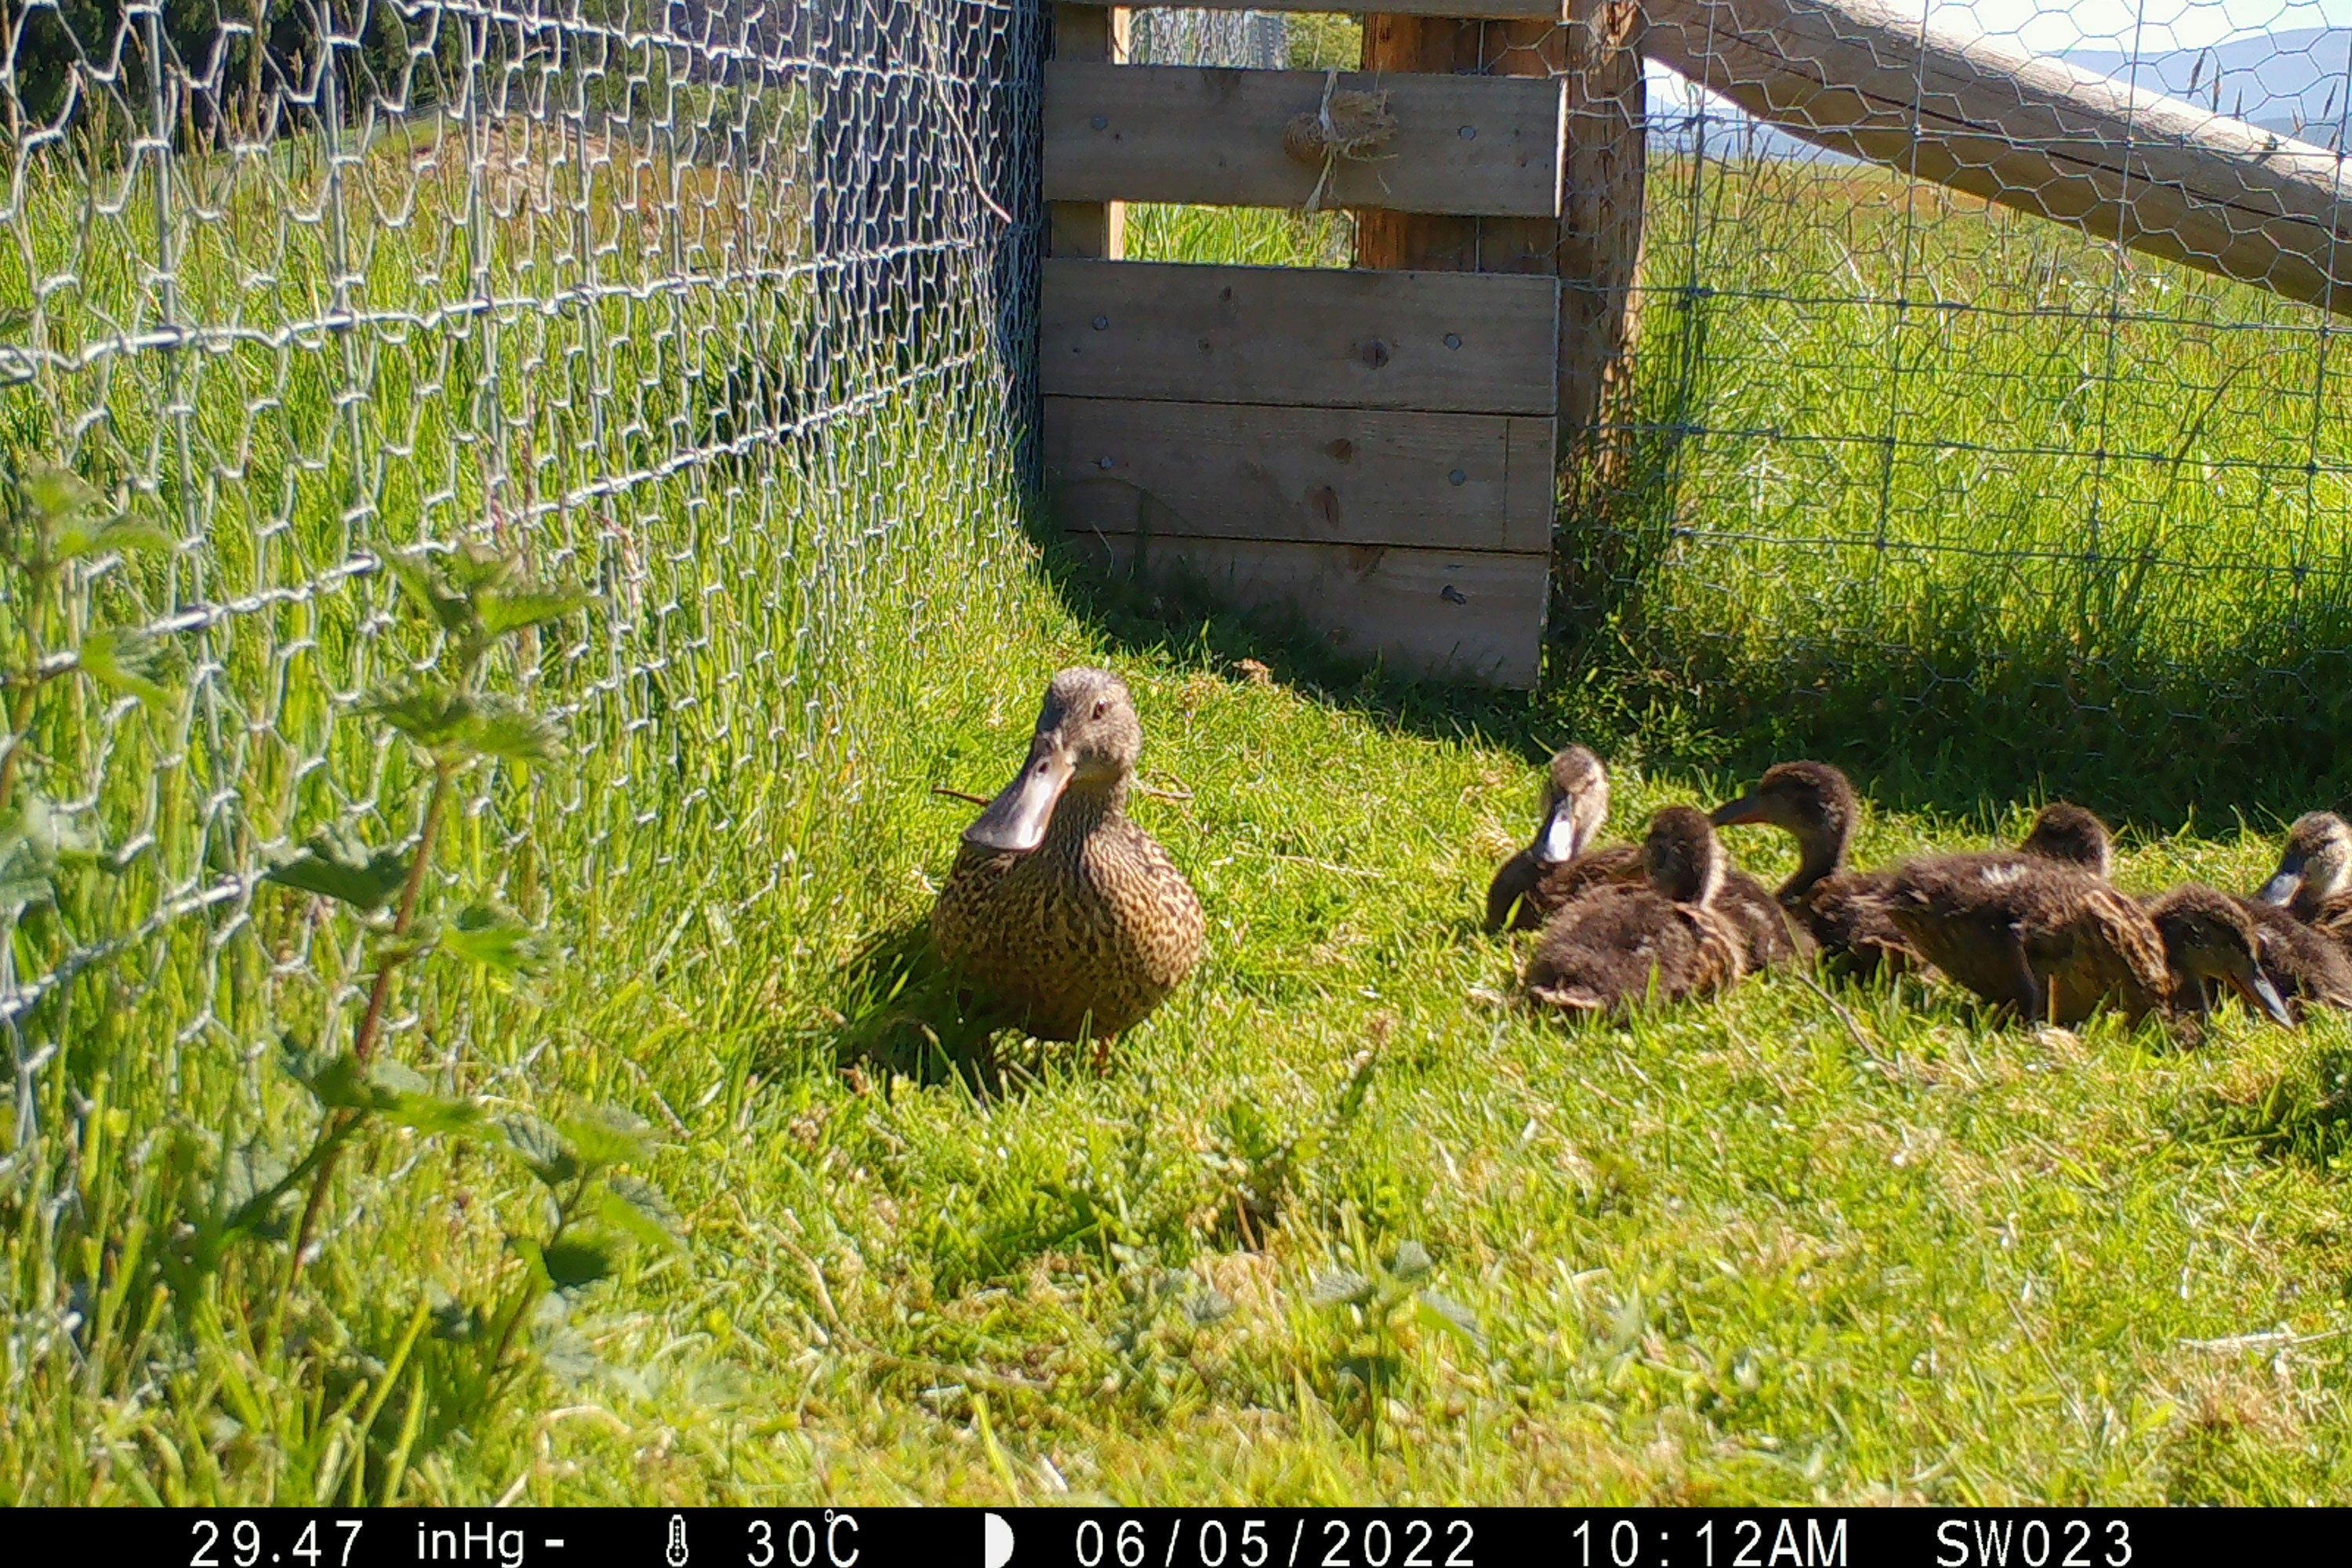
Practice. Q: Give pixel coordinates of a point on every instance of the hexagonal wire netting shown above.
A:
(1910, 466)
(702, 306)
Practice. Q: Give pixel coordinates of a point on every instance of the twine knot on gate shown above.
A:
(1352, 125)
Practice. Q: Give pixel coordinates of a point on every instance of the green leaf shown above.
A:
(1340, 1288)
(572, 1264)
(541, 1149)
(1412, 1261)
(501, 727)
(79, 538)
(607, 1135)
(507, 610)
(397, 1093)
(58, 493)
(123, 658)
(416, 571)
(492, 938)
(14, 321)
(639, 1210)
(435, 717)
(35, 840)
(1449, 1316)
(534, 1260)
(336, 866)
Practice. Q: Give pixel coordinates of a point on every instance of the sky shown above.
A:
(2158, 27)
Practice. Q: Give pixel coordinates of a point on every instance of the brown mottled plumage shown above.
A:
(2055, 943)
(1561, 865)
(2304, 965)
(2069, 836)
(1844, 912)
(2314, 879)
(1058, 906)
(1619, 945)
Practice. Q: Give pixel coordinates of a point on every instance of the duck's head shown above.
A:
(2072, 836)
(1812, 801)
(1683, 857)
(2208, 938)
(1087, 741)
(1576, 802)
(2315, 865)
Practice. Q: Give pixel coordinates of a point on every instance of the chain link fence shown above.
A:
(710, 307)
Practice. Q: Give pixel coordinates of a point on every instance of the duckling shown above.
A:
(1562, 865)
(1619, 945)
(2314, 879)
(2070, 836)
(2302, 965)
(1844, 912)
(2054, 944)
(2211, 939)
(1058, 906)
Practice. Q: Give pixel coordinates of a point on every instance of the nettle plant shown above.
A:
(411, 913)
(57, 525)
(1377, 1315)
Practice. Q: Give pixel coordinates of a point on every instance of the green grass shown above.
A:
(1790, 1245)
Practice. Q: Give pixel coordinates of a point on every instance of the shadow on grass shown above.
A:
(904, 1015)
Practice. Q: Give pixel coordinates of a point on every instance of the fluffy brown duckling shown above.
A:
(2306, 967)
(2054, 944)
(1620, 944)
(1561, 864)
(2213, 941)
(1058, 906)
(2070, 836)
(2314, 879)
(1844, 910)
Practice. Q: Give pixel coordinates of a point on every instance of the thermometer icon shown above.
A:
(676, 1554)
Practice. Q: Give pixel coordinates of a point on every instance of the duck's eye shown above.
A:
(1102, 706)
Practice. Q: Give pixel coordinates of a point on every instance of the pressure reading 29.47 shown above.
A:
(245, 1545)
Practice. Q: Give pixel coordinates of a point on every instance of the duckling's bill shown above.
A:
(2257, 992)
(1733, 813)
(2284, 883)
(1015, 821)
(1556, 844)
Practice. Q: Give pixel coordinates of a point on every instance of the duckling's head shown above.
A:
(2208, 938)
(1683, 856)
(2072, 836)
(1811, 800)
(1087, 741)
(2316, 863)
(1576, 802)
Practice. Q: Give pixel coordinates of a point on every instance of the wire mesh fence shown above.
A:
(708, 307)
(1978, 414)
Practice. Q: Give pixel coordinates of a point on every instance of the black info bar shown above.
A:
(1186, 1537)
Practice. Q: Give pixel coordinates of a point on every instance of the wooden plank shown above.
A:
(1097, 229)
(1541, 10)
(1442, 343)
(1475, 615)
(1228, 471)
(1199, 134)
(1867, 78)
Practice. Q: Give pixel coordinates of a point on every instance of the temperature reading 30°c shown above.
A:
(803, 1543)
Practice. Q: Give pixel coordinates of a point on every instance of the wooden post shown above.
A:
(1088, 230)
(1594, 246)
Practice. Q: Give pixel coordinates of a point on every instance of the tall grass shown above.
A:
(1785, 1248)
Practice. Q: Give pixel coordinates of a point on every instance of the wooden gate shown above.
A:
(1376, 446)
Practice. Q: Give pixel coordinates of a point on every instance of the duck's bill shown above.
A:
(2283, 886)
(1556, 845)
(1016, 819)
(1731, 814)
(2259, 992)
